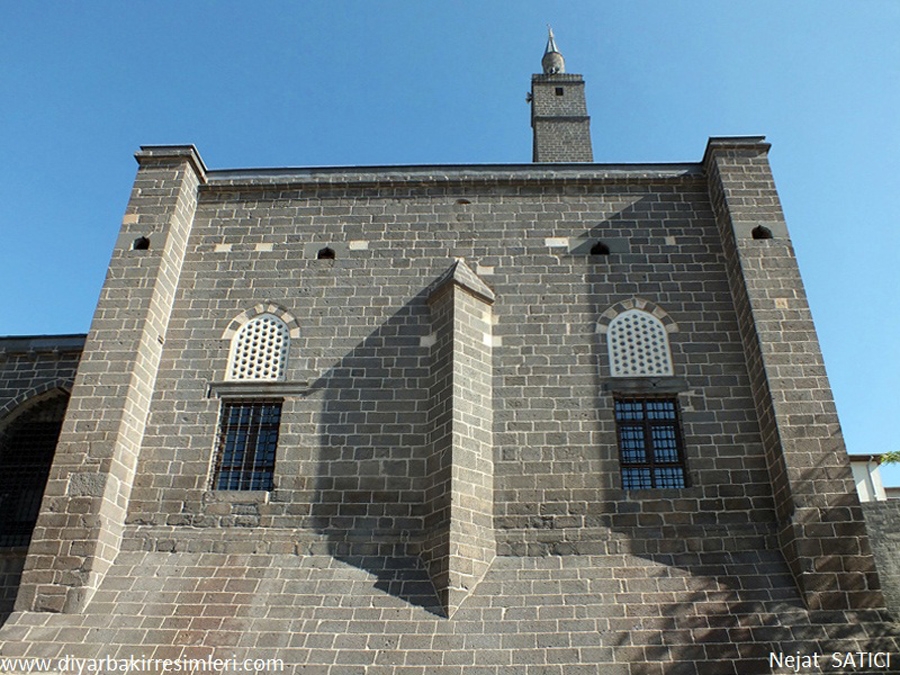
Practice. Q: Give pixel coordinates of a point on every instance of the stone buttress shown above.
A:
(79, 531)
(820, 523)
(458, 544)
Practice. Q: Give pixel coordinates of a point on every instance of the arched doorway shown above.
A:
(27, 444)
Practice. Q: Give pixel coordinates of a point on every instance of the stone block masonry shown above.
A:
(559, 119)
(459, 532)
(446, 398)
(821, 528)
(706, 614)
(79, 532)
(33, 371)
(549, 419)
(34, 366)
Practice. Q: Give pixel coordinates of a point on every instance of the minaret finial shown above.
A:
(553, 61)
(551, 41)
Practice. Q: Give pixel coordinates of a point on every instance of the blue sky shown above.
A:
(83, 85)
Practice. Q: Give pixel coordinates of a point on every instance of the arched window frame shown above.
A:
(654, 319)
(259, 350)
(638, 345)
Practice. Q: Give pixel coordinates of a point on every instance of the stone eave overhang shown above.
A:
(448, 174)
(50, 344)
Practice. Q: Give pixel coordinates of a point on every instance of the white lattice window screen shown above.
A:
(259, 350)
(638, 345)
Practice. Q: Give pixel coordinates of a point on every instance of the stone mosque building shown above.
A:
(555, 418)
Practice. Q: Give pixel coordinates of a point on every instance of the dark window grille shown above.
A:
(26, 453)
(650, 447)
(248, 437)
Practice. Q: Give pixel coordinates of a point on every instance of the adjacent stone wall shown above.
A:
(34, 365)
(883, 525)
(31, 368)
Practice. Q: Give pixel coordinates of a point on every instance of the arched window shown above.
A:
(638, 345)
(259, 350)
(27, 446)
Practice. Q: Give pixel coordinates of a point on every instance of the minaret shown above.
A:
(562, 128)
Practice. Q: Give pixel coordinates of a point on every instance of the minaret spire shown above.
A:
(562, 128)
(553, 61)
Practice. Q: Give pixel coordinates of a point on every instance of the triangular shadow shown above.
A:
(373, 449)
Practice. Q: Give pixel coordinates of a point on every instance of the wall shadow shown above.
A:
(730, 612)
(728, 592)
(373, 431)
(728, 497)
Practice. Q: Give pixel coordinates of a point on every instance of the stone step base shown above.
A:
(698, 613)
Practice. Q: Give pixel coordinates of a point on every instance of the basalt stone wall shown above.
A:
(79, 531)
(353, 451)
(33, 366)
(420, 435)
(822, 532)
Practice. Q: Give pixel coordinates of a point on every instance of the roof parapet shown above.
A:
(149, 154)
